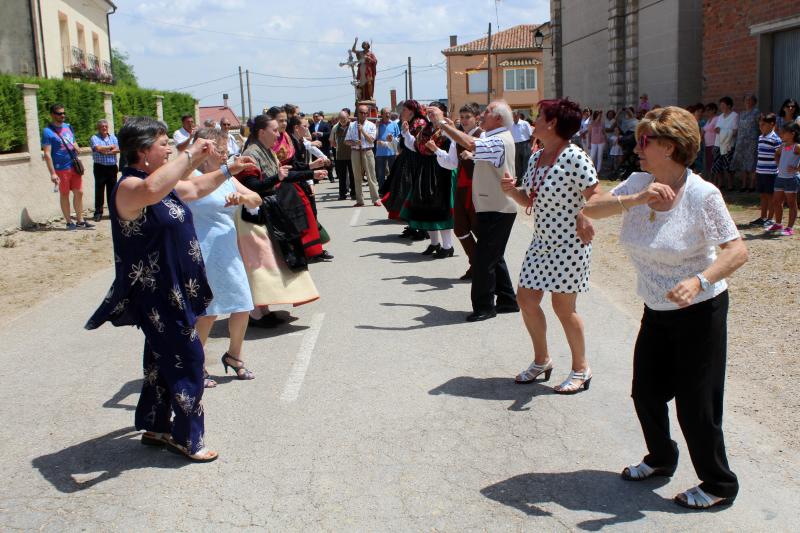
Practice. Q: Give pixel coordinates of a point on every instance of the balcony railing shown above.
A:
(87, 67)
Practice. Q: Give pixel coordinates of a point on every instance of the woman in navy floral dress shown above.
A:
(160, 285)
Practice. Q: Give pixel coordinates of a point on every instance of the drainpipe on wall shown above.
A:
(108, 30)
(41, 35)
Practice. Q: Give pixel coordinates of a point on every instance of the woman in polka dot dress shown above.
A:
(559, 180)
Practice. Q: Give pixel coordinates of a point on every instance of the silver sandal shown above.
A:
(530, 374)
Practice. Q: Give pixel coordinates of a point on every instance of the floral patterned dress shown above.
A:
(161, 288)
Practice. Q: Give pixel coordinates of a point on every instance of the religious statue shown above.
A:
(364, 76)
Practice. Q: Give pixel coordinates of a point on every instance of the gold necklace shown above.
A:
(653, 211)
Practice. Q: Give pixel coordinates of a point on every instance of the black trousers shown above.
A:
(681, 354)
(105, 176)
(489, 271)
(522, 153)
(344, 173)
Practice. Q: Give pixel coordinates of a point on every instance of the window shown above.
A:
(520, 79)
(478, 81)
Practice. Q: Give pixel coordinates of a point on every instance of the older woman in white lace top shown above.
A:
(673, 223)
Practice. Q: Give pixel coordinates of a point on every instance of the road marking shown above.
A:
(298, 373)
(354, 218)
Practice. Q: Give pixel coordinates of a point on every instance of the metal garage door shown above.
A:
(786, 66)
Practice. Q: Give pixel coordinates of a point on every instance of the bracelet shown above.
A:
(189, 156)
(621, 204)
(224, 169)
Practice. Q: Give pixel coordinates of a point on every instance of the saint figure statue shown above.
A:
(367, 67)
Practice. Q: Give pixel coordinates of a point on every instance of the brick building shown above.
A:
(751, 47)
(514, 71)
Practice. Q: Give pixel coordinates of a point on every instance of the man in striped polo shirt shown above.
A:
(766, 168)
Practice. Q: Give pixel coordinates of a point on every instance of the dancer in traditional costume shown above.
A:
(429, 203)
(273, 256)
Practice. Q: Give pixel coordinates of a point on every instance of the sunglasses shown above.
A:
(644, 139)
(60, 114)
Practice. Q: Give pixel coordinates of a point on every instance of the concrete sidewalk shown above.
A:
(378, 409)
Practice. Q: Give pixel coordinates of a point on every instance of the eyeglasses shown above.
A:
(644, 139)
(60, 114)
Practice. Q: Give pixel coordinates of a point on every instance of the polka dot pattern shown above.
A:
(557, 261)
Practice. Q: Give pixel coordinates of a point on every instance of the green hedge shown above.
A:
(83, 103)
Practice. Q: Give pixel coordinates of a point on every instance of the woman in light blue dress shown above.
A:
(214, 223)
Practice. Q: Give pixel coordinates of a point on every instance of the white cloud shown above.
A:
(175, 43)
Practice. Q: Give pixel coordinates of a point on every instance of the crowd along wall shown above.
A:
(26, 192)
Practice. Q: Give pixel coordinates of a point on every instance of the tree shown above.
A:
(122, 69)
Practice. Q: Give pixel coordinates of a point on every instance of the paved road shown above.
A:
(378, 409)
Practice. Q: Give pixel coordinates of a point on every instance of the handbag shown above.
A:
(77, 164)
(324, 236)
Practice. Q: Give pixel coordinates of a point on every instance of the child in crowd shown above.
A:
(788, 179)
(766, 168)
(616, 150)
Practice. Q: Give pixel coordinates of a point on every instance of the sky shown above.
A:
(293, 48)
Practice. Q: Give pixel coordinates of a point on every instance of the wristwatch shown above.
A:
(224, 170)
(704, 283)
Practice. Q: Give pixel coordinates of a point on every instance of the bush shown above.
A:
(83, 103)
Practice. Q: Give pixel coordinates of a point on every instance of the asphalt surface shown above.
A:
(377, 409)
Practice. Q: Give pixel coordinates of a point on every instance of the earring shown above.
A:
(146, 163)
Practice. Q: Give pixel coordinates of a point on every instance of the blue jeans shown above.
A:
(382, 165)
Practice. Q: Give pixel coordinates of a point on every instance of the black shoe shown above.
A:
(343, 198)
(332, 180)
(443, 253)
(419, 235)
(467, 275)
(325, 256)
(97, 217)
(84, 225)
(270, 320)
(432, 249)
(507, 308)
(407, 233)
(478, 316)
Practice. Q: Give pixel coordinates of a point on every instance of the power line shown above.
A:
(276, 39)
(204, 83)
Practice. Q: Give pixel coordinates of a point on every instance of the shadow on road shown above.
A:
(387, 238)
(595, 491)
(84, 465)
(435, 316)
(385, 222)
(400, 257)
(220, 329)
(435, 284)
(131, 388)
(499, 389)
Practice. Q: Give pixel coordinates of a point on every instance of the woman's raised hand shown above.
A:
(320, 174)
(200, 150)
(405, 126)
(239, 164)
(508, 183)
(233, 198)
(655, 193)
(318, 163)
(283, 172)
(430, 145)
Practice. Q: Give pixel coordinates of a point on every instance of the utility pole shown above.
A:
(489, 66)
(249, 97)
(406, 82)
(241, 90)
(410, 86)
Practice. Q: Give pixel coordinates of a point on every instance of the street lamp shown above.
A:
(538, 40)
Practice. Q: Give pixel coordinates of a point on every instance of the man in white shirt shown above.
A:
(233, 145)
(361, 138)
(492, 290)
(183, 136)
(522, 133)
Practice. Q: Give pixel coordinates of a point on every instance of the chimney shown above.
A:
(393, 97)
(225, 100)
(453, 40)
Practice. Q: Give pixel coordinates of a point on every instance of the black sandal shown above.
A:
(241, 371)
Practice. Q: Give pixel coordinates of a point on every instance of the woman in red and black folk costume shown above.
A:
(270, 241)
(429, 203)
(465, 220)
(405, 168)
(290, 150)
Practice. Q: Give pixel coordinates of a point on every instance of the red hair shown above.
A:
(565, 112)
